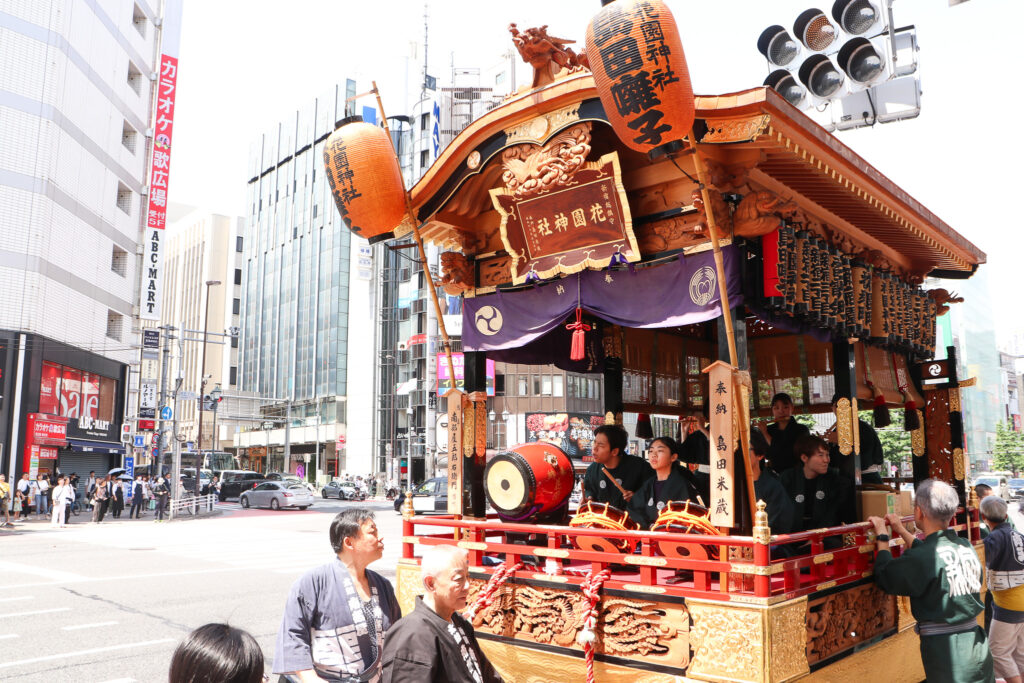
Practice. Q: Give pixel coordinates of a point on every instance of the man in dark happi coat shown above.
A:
(434, 643)
(942, 576)
(821, 496)
(783, 434)
(609, 451)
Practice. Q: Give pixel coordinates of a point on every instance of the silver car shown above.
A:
(276, 495)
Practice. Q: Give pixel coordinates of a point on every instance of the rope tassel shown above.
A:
(587, 636)
(579, 341)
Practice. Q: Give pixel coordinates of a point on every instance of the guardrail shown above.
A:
(192, 505)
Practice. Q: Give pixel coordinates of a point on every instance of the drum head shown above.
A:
(507, 485)
(601, 545)
(682, 551)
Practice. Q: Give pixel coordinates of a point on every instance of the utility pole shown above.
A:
(163, 441)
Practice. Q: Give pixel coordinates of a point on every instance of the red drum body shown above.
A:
(593, 515)
(529, 482)
(685, 517)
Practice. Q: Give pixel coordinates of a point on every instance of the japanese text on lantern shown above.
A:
(723, 444)
(640, 68)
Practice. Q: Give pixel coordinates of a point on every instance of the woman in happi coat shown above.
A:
(667, 485)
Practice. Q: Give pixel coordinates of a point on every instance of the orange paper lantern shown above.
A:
(636, 55)
(365, 179)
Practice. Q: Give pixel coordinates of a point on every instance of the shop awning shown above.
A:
(85, 446)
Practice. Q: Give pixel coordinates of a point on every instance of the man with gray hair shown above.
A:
(942, 576)
(434, 642)
(1004, 557)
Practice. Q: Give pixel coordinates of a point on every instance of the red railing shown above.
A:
(744, 567)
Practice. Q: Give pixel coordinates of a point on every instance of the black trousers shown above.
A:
(136, 509)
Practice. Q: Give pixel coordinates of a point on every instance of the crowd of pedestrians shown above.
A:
(59, 497)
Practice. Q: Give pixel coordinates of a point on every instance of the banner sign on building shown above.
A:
(160, 162)
(572, 432)
(459, 361)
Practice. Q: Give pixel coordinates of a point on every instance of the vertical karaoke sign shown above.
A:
(160, 162)
(723, 444)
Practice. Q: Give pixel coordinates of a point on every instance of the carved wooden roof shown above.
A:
(779, 148)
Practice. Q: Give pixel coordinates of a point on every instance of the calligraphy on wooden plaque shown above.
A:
(455, 466)
(723, 444)
(583, 224)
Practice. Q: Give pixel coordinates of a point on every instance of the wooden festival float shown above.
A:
(597, 220)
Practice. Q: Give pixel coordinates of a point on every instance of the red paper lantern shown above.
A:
(365, 179)
(636, 55)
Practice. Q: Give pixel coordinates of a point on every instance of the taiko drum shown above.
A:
(528, 481)
(365, 179)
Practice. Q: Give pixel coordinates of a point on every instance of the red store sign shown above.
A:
(46, 430)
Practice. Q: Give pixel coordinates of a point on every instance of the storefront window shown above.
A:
(71, 393)
(74, 394)
(108, 397)
(557, 380)
(90, 394)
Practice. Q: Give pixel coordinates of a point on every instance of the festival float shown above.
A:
(689, 250)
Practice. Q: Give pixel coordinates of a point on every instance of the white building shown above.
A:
(75, 105)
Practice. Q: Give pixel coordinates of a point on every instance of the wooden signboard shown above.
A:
(455, 466)
(723, 445)
(584, 223)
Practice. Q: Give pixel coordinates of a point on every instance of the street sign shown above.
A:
(166, 413)
(129, 466)
(146, 425)
(151, 339)
(140, 441)
(188, 395)
(190, 445)
(156, 451)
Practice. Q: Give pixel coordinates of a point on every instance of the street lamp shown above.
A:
(215, 397)
(410, 411)
(202, 373)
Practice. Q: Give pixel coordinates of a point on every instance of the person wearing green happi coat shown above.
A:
(942, 576)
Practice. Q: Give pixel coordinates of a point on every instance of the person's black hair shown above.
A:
(758, 443)
(981, 488)
(346, 524)
(616, 435)
(672, 444)
(217, 653)
(782, 396)
(808, 445)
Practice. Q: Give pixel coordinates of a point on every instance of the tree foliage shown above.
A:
(1008, 452)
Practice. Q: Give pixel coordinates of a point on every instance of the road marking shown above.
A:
(39, 571)
(24, 597)
(79, 626)
(38, 611)
(79, 653)
(8, 635)
(120, 680)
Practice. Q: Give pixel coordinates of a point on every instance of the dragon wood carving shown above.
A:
(842, 620)
(760, 212)
(457, 273)
(942, 298)
(625, 627)
(546, 54)
(530, 169)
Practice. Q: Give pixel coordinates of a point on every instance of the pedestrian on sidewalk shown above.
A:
(90, 488)
(1004, 556)
(100, 500)
(138, 498)
(5, 500)
(160, 491)
(42, 500)
(147, 492)
(117, 498)
(24, 494)
(62, 495)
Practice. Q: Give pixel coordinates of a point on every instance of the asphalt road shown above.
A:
(110, 602)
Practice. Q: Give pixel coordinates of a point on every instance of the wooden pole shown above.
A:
(741, 403)
(613, 480)
(419, 244)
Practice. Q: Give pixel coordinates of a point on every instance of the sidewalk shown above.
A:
(84, 518)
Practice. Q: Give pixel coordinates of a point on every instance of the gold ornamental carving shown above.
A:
(917, 436)
(529, 169)
(407, 580)
(741, 129)
(728, 642)
(762, 533)
(788, 653)
(527, 665)
(473, 160)
(533, 130)
(625, 627)
(844, 426)
(954, 400)
(959, 468)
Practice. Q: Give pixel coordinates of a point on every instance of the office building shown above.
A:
(75, 109)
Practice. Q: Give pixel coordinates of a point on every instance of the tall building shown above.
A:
(203, 247)
(307, 340)
(77, 85)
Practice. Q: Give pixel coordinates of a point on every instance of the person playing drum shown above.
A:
(614, 475)
(667, 485)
